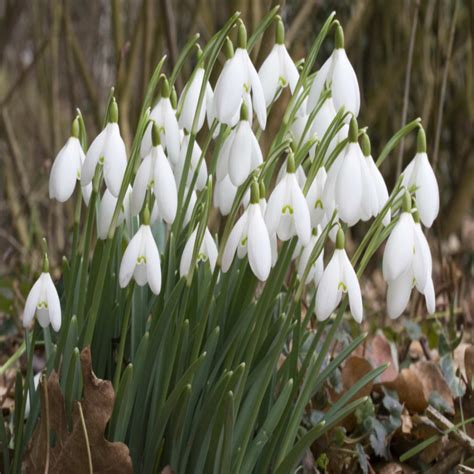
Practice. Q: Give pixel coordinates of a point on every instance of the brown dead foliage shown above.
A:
(70, 451)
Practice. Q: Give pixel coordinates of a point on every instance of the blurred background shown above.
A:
(412, 57)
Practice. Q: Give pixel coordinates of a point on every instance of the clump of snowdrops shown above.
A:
(216, 340)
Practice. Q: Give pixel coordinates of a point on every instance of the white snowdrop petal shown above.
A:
(129, 259)
(240, 154)
(32, 301)
(187, 255)
(115, 159)
(421, 258)
(172, 134)
(327, 294)
(302, 220)
(140, 274)
(430, 297)
(153, 266)
(259, 248)
(345, 87)
(318, 83)
(289, 68)
(105, 214)
(228, 90)
(54, 305)
(210, 249)
(398, 294)
(140, 184)
(222, 167)
(258, 97)
(233, 241)
(165, 188)
(93, 154)
(189, 101)
(398, 253)
(64, 172)
(427, 194)
(268, 75)
(353, 288)
(274, 207)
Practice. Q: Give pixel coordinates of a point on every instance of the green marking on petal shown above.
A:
(243, 242)
(101, 160)
(247, 88)
(287, 208)
(282, 81)
(318, 203)
(141, 259)
(202, 257)
(342, 287)
(42, 304)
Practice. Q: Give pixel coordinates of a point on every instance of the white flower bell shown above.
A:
(407, 263)
(66, 169)
(106, 212)
(224, 196)
(287, 212)
(207, 252)
(155, 173)
(314, 197)
(240, 153)
(338, 277)
(278, 70)
(108, 149)
(250, 236)
(238, 77)
(141, 259)
(165, 116)
(196, 154)
(338, 71)
(419, 173)
(188, 101)
(43, 301)
(316, 270)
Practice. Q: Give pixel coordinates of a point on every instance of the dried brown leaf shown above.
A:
(379, 352)
(70, 453)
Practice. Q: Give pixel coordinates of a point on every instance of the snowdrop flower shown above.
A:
(141, 259)
(355, 192)
(419, 173)
(66, 169)
(109, 150)
(196, 154)
(165, 116)
(287, 212)
(155, 173)
(86, 192)
(250, 236)
(263, 206)
(187, 105)
(338, 71)
(43, 301)
(278, 70)
(106, 212)
(240, 153)
(338, 277)
(207, 252)
(374, 186)
(316, 271)
(237, 78)
(224, 196)
(314, 197)
(299, 123)
(407, 263)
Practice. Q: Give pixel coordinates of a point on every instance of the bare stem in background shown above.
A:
(407, 82)
(171, 36)
(439, 122)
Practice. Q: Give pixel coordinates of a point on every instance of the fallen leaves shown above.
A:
(74, 451)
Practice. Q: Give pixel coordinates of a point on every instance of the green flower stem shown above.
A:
(123, 337)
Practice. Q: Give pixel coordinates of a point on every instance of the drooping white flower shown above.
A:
(240, 153)
(207, 252)
(43, 301)
(187, 105)
(106, 212)
(237, 78)
(300, 174)
(164, 116)
(196, 154)
(108, 149)
(155, 173)
(314, 197)
(278, 70)
(338, 71)
(407, 263)
(420, 174)
(263, 206)
(141, 260)
(287, 212)
(374, 187)
(250, 236)
(86, 192)
(338, 277)
(224, 196)
(304, 252)
(66, 169)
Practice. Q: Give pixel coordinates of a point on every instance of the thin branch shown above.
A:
(407, 82)
(86, 438)
(171, 36)
(444, 82)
